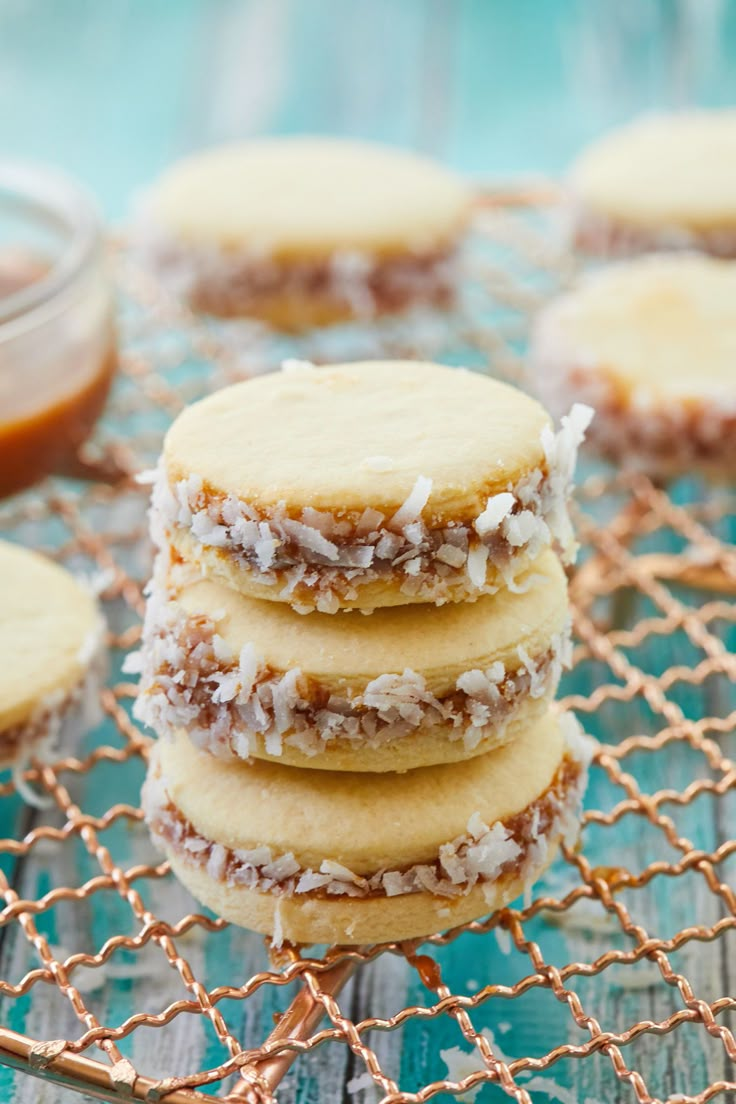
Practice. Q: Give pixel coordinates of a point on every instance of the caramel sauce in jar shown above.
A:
(57, 335)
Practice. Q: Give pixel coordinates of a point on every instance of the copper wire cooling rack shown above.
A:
(611, 983)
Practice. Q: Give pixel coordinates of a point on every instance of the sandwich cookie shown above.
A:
(401, 689)
(662, 182)
(365, 485)
(306, 231)
(319, 857)
(650, 343)
(52, 648)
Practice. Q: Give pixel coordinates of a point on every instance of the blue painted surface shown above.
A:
(113, 91)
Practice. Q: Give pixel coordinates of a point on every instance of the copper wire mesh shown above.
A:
(646, 897)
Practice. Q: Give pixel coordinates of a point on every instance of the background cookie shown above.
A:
(403, 688)
(663, 181)
(650, 344)
(305, 231)
(318, 857)
(365, 485)
(51, 641)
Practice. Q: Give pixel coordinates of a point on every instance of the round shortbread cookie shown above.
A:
(51, 641)
(314, 856)
(365, 485)
(650, 343)
(407, 687)
(663, 181)
(304, 230)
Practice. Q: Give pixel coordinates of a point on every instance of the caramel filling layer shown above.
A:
(357, 284)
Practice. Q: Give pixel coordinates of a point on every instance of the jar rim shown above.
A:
(57, 199)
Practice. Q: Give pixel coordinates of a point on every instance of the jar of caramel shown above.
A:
(57, 335)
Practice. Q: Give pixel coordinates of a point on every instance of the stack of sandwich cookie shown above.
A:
(430, 499)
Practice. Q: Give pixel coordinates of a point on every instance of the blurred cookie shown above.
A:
(51, 643)
(366, 485)
(651, 344)
(404, 688)
(306, 231)
(319, 857)
(662, 182)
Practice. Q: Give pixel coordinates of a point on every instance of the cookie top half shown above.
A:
(352, 436)
(675, 170)
(306, 197)
(46, 623)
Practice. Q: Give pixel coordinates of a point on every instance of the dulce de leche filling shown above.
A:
(515, 847)
(355, 284)
(319, 559)
(190, 678)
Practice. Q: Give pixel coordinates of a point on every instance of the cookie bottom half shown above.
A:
(347, 920)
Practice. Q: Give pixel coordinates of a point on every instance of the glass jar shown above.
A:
(57, 334)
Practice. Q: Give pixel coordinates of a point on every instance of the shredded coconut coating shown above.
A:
(320, 560)
(227, 702)
(637, 433)
(606, 236)
(56, 714)
(515, 847)
(237, 281)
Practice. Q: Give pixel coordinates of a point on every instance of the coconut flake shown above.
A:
(311, 539)
(476, 566)
(414, 504)
(277, 939)
(497, 508)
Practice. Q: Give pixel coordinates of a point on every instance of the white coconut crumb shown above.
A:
(477, 566)
(538, 684)
(581, 746)
(294, 367)
(414, 504)
(278, 931)
(497, 508)
(378, 464)
(644, 975)
(504, 1027)
(547, 1085)
(586, 916)
(362, 1081)
(133, 663)
(462, 1063)
(472, 985)
(503, 939)
(96, 582)
(146, 478)
(476, 826)
(84, 978)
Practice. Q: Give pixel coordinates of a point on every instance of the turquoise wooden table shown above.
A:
(112, 92)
